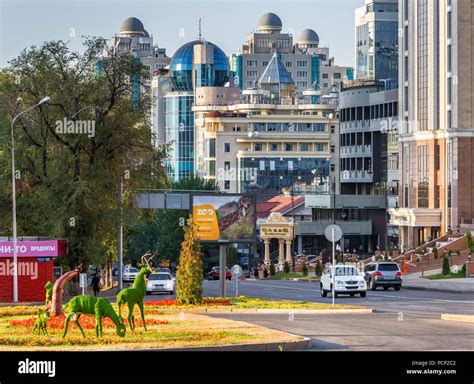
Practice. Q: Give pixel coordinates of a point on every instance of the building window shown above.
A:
(337, 75)
(288, 64)
(212, 148)
(333, 167)
(252, 73)
(227, 184)
(304, 147)
(227, 166)
(333, 129)
(333, 148)
(288, 147)
(264, 63)
(251, 63)
(319, 147)
(258, 147)
(325, 76)
(423, 180)
(226, 147)
(301, 64)
(273, 147)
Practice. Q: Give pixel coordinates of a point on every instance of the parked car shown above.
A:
(348, 280)
(160, 282)
(129, 274)
(383, 274)
(214, 274)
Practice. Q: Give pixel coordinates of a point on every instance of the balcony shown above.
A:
(360, 150)
(358, 176)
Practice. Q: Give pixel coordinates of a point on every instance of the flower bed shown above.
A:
(87, 322)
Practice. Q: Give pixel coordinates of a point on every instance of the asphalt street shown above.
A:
(407, 320)
(426, 303)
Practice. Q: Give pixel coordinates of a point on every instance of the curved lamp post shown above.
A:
(15, 255)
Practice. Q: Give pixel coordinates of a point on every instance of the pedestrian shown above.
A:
(95, 284)
(255, 272)
(265, 272)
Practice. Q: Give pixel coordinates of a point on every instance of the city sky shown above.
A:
(173, 22)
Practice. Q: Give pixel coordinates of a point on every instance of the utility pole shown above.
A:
(120, 234)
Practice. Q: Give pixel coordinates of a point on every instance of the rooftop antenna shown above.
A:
(199, 29)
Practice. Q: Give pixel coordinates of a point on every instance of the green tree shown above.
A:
(189, 272)
(286, 267)
(272, 269)
(304, 269)
(318, 269)
(232, 256)
(435, 252)
(446, 269)
(67, 186)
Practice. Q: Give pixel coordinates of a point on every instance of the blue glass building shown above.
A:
(209, 69)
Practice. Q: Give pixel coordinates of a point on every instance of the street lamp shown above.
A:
(15, 240)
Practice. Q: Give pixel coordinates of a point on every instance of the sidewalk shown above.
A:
(415, 281)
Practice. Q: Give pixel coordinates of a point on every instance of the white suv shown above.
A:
(348, 281)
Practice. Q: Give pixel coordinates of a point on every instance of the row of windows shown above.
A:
(289, 147)
(379, 111)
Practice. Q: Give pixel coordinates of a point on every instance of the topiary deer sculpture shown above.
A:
(135, 294)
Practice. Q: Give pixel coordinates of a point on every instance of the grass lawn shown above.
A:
(169, 326)
(439, 276)
(165, 330)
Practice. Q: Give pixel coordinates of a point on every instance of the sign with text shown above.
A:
(229, 217)
(39, 248)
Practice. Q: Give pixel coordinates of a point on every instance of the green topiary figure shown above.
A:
(189, 272)
(136, 293)
(446, 269)
(318, 270)
(40, 324)
(49, 293)
(304, 269)
(91, 305)
(272, 269)
(286, 267)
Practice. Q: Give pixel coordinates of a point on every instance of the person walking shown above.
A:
(95, 284)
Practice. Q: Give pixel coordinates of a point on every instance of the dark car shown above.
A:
(214, 274)
(383, 274)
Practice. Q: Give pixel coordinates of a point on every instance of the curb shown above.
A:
(298, 280)
(458, 318)
(267, 347)
(289, 310)
(444, 290)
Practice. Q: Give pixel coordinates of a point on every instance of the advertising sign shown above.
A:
(40, 248)
(229, 217)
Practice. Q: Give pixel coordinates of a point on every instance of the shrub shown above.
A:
(450, 252)
(318, 269)
(189, 273)
(435, 252)
(446, 269)
(458, 252)
(286, 267)
(304, 269)
(463, 269)
(272, 269)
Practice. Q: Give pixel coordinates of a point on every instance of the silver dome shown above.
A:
(308, 36)
(269, 22)
(132, 25)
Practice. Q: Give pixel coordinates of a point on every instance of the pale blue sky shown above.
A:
(224, 22)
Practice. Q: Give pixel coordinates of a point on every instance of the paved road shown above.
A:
(375, 332)
(425, 303)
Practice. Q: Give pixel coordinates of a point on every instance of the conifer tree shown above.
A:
(189, 272)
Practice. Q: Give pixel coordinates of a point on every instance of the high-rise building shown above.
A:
(436, 95)
(134, 39)
(196, 65)
(377, 41)
(307, 62)
(268, 138)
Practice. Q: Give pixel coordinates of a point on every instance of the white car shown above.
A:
(160, 282)
(348, 281)
(129, 274)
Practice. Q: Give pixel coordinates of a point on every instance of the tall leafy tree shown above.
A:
(67, 185)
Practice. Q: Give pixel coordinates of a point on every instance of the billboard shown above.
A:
(229, 217)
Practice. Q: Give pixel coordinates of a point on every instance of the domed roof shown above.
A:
(181, 67)
(132, 25)
(308, 36)
(269, 21)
